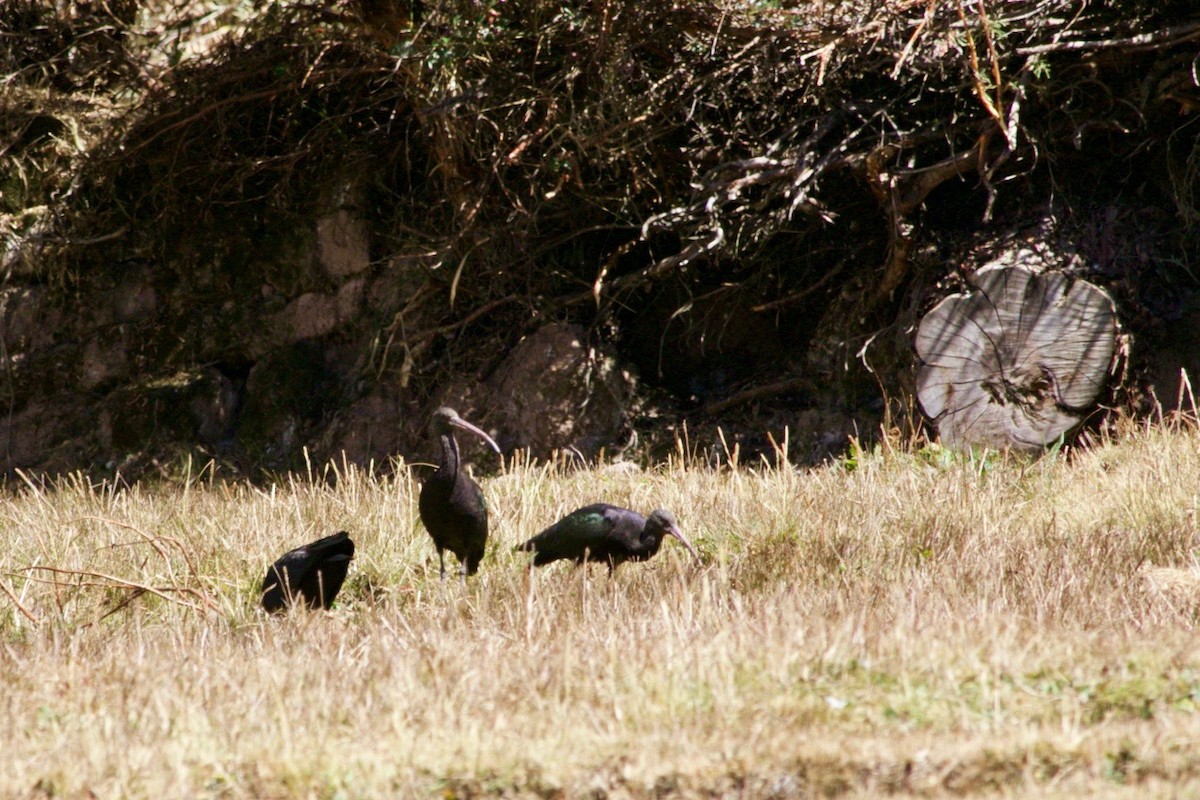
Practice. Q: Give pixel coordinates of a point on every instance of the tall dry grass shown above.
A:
(900, 622)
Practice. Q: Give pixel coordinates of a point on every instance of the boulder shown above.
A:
(557, 391)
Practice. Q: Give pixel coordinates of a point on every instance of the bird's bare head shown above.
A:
(446, 419)
(441, 419)
(664, 520)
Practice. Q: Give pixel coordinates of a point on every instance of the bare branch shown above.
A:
(113, 582)
(16, 602)
(1155, 40)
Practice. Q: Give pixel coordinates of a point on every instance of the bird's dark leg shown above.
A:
(462, 572)
(441, 565)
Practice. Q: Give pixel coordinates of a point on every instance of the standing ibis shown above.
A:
(452, 505)
(311, 574)
(605, 533)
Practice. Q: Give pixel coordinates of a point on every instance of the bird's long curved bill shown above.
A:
(466, 426)
(678, 534)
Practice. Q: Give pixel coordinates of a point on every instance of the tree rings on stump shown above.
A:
(1017, 362)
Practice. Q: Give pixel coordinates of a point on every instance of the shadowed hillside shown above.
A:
(244, 231)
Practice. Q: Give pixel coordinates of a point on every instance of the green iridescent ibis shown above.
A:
(452, 505)
(310, 575)
(605, 533)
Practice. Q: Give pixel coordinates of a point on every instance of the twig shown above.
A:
(106, 237)
(467, 320)
(902, 191)
(125, 601)
(765, 390)
(211, 107)
(991, 107)
(682, 258)
(1008, 122)
(912, 40)
(153, 541)
(725, 185)
(915, 184)
(796, 297)
(121, 583)
(12, 596)
(1167, 37)
(598, 284)
(150, 540)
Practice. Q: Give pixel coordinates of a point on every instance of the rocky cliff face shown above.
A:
(288, 236)
(263, 378)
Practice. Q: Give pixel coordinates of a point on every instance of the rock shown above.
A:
(343, 239)
(28, 320)
(105, 359)
(350, 300)
(215, 404)
(369, 429)
(343, 243)
(554, 391)
(135, 301)
(309, 316)
(28, 437)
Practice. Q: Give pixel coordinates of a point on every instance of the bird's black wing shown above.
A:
(585, 530)
(284, 577)
(294, 566)
(335, 544)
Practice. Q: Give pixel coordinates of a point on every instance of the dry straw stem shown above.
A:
(907, 621)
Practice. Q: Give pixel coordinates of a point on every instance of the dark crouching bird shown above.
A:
(452, 505)
(312, 574)
(605, 533)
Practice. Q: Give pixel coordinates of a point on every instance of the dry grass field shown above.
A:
(905, 622)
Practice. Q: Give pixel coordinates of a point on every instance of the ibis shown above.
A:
(451, 503)
(310, 575)
(605, 533)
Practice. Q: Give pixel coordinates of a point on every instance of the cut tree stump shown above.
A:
(1017, 362)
